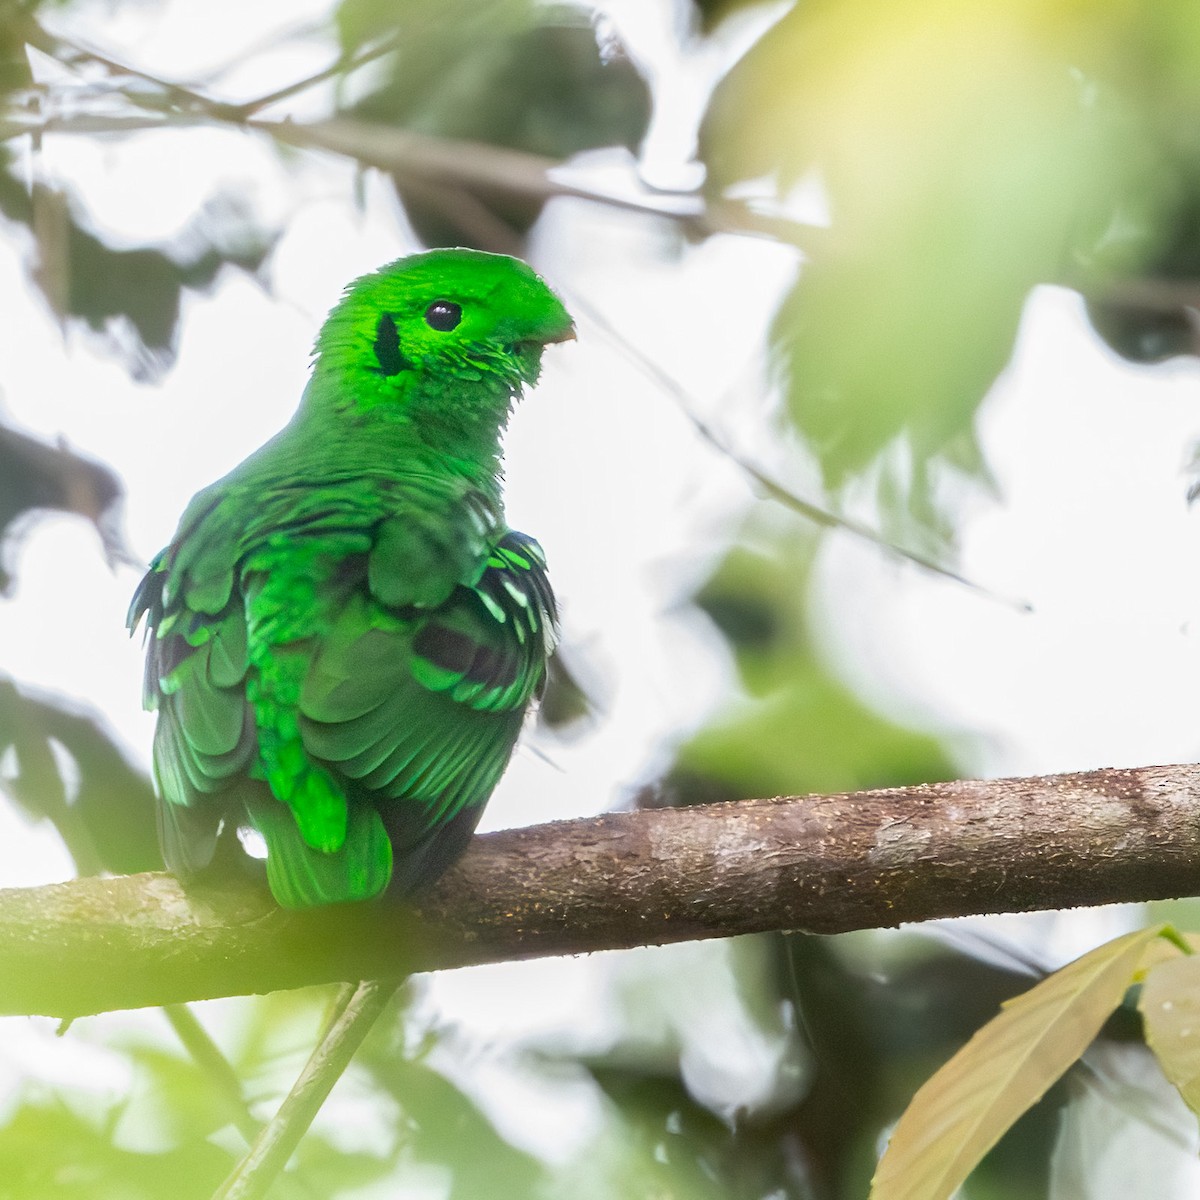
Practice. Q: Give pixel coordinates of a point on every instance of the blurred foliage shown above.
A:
(875, 1036)
(62, 766)
(131, 297)
(14, 61)
(171, 1132)
(37, 478)
(441, 1127)
(678, 1148)
(513, 74)
(966, 154)
(565, 702)
(796, 728)
(86, 1162)
(710, 13)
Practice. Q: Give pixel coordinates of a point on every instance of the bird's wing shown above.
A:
(418, 709)
(197, 661)
(205, 740)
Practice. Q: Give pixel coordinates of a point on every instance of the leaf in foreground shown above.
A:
(964, 1110)
(1170, 1004)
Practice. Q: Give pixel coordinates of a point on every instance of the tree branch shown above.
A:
(826, 864)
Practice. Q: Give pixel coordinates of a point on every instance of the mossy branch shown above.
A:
(820, 863)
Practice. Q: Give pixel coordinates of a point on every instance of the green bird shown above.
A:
(344, 635)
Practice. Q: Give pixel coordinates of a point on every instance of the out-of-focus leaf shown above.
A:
(1009, 1064)
(441, 1126)
(131, 297)
(14, 62)
(522, 76)
(36, 476)
(172, 1101)
(1145, 253)
(162, 1142)
(566, 700)
(668, 1145)
(1170, 1005)
(966, 154)
(712, 12)
(536, 82)
(47, 1150)
(104, 811)
(798, 729)
(1145, 334)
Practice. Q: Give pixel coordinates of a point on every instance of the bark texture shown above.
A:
(825, 864)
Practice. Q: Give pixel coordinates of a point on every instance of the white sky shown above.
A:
(632, 509)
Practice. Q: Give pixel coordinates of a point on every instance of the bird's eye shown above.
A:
(443, 315)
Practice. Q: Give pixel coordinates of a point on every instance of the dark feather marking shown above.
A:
(418, 863)
(489, 667)
(387, 347)
(450, 649)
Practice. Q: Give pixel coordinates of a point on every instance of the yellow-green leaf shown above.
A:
(963, 1111)
(1170, 1003)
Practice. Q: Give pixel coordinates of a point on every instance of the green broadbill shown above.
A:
(344, 634)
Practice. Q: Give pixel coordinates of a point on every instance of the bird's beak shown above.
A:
(567, 335)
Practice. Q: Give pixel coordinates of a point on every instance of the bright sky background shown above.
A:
(1091, 527)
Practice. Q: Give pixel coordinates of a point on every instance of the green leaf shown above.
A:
(964, 1110)
(1170, 1004)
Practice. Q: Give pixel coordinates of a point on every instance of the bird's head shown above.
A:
(439, 329)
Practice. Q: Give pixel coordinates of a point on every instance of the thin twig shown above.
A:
(208, 1057)
(344, 64)
(253, 1176)
(20, 124)
(70, 52)
(772, 487)
(53, 44)
(474, 164)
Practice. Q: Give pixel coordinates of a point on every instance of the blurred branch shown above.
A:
(482, 165)
(359, 1008)
(478, 164)
(162, 93)
(826, 864)
(208, 1057)
(18, 124)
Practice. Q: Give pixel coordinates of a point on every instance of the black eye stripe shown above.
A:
(387, 347)
(443, 315)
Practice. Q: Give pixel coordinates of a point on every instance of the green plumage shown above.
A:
(344, 634)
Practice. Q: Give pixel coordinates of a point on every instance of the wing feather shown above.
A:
(204, 743)
(419, 711)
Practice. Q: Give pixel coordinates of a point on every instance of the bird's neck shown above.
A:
(420, 429)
